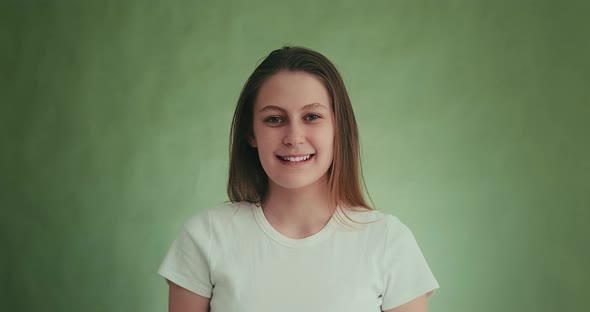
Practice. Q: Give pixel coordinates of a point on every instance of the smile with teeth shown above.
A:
(295, 159)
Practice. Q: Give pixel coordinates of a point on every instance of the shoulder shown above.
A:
(374, 217)
(217, 215)
(379, 224)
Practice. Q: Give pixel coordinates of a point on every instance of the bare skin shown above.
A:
(182, 300)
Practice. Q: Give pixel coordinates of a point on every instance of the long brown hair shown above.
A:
(248, 180)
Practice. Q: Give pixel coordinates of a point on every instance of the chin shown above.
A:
(298, 183)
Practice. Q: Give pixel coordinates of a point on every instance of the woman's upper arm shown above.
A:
(419, 304)
(182, 300)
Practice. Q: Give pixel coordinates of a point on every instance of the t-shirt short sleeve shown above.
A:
(187, 262)
(406, 272)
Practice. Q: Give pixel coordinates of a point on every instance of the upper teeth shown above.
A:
(306, 157)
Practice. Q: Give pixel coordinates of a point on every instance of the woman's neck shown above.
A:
(298, 213)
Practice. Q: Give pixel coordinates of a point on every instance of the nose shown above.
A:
(294, 135)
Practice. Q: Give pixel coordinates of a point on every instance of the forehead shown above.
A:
(292, 90)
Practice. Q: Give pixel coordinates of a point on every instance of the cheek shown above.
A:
(259, 135)
(328, 139)
(266, 142)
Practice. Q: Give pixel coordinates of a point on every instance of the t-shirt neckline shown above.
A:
(288, 241)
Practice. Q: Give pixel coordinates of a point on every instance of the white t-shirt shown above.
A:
(231, 254)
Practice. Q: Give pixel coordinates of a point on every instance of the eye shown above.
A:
(312, 117)
(273, 120)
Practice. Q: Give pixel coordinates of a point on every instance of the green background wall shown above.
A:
(474, 121)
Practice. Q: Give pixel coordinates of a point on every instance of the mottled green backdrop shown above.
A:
(474, 121)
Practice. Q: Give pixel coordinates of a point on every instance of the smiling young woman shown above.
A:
(277, 244)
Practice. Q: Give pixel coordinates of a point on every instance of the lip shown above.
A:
(296, 155)
(296, 163)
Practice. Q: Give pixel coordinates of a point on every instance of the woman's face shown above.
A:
(294, 129)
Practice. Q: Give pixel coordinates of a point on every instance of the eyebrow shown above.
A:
(308, 106)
